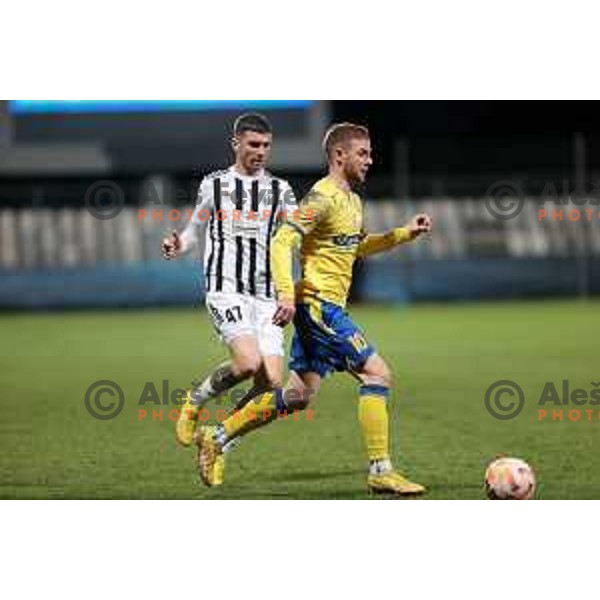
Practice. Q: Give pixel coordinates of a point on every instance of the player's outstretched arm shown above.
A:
(380, 242)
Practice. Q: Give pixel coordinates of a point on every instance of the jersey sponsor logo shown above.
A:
(344, 240)
(246, 229)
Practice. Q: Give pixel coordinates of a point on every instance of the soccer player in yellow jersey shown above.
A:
(329, 232)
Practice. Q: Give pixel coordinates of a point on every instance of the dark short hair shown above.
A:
(251, 122)
(342, 133)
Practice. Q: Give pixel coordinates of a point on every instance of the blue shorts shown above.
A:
(326, 339)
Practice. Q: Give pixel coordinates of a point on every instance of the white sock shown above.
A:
(201, 395)
(221, 437)
(231, 444)
(380, 467)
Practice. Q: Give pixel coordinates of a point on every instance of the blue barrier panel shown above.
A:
(107, 285)
(181, 283)
(477, 278)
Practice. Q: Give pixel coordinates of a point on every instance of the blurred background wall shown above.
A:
(87, 190)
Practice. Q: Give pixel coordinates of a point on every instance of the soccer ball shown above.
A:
(509, 479)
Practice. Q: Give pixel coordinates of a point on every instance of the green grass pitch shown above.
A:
(443, 357)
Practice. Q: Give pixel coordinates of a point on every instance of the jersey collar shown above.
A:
(258, 175)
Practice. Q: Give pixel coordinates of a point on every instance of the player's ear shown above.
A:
(235, 143)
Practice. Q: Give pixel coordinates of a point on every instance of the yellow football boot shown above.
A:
(186, 424)
(219, 470)
(209, 456)
(394, 483)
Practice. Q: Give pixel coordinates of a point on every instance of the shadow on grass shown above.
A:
(314, 475)
(261, 494)
(318, 485)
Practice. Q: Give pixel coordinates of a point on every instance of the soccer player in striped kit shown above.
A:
(239, 209)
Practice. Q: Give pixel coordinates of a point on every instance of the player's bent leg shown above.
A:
(266, 408)
(261, 411)
(244, 363)
(375, 378)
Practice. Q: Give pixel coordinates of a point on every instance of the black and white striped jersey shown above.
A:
(239, 215)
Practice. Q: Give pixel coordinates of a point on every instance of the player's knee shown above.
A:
(386, 377)
(297, 404)
(247, 366)
(381, 375)
(298, 399)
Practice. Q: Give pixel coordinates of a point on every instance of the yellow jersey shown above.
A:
(328, 226)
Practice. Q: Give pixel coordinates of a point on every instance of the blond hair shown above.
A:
(342, 133)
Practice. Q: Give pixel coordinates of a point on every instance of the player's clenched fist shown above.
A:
(419, 224)
(286, 309)
(171, 245)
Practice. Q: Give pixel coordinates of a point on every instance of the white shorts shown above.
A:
(236, 314)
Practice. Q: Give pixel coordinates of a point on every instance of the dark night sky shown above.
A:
(463, 139)
(486, 117)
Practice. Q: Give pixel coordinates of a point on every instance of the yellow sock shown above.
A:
(256, 413)
(190, 406)
(373, 418)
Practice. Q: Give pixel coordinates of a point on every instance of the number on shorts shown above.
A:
(358, 341)
(230, 314)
